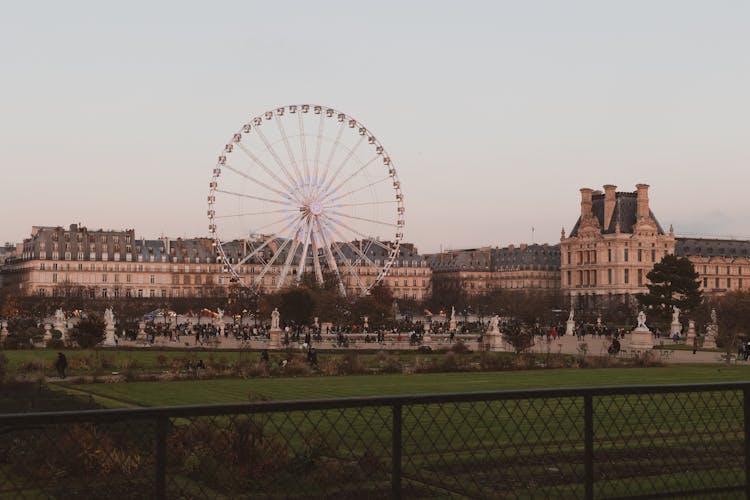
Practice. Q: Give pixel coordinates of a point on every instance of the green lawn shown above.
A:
(286, 388)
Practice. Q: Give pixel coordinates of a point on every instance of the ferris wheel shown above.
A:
(305, 190)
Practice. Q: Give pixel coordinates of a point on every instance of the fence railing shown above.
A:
(607, 442)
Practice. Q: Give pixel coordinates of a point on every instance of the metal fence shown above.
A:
(610, 442)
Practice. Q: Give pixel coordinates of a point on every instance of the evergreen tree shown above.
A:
(674, 282)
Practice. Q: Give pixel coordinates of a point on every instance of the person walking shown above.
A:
(695, 344)
(61, 364)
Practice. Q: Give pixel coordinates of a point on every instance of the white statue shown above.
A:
(493, 324)
(109, 317)
(641, 320)
(675, 314)
(453, 313)
(570, 316)
(59, 316)
(220, 313)
(714, 320)
(275, 319)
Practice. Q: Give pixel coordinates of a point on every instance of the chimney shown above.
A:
(586, 201)
(609, 203)
(642, 200)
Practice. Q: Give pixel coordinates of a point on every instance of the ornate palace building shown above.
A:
(617, 240)
(104, 263)
(613, 245)
(525, 267)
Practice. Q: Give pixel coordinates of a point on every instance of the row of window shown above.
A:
(590, 256)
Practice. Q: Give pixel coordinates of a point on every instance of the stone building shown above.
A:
(114, 263)
(477, 271)
(722, 265)
(613, 245)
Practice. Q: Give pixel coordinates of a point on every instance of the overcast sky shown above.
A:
(495, 113)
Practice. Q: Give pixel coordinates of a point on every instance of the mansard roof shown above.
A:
(711, 247)
(523, 257)
(625, 213)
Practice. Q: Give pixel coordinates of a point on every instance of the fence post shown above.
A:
(746, 409)
(396, 452)
(161, 457)
(588, 443)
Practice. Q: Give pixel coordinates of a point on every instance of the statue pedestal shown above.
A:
(47, 332)
(641, 338)
(675, 328)
(452, 325)
(494, 342)
(109, 336)
(275, 338)
(690, 332)
(570, 327)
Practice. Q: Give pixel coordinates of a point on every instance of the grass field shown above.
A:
(316, 387)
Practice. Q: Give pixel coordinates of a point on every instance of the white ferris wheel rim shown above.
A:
(309, 197)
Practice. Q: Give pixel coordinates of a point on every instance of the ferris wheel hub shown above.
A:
(316, 208)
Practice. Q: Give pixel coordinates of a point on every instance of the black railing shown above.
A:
(609, 442)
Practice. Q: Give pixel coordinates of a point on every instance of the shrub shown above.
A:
(19, 340)
(460, 347)
(388, 364)
(646, 359)
(297, 367)
(525, 361)
(3, 368)
(88, 332)
(55, 344)
(350, 364)
(162, 361)
(34, 365)
(496, 361)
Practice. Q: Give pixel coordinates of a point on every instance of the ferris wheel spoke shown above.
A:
(278, 221)
(363, 204)
(265, 168)
(321, 126)
(276, 254)
(354, 191)
(289, 259)
(256, 181)
(349, 267)
(365, 237)
(360, 169)
(303, 256)
(364, 219)
(336, 143)
(351, 245)
(356, 251)
(331, 260)
(268, 241)
(245, 214)
(275, 156)
(316, 255)
(343, 163)
(303, 147)
(243, 195)
(292, 159)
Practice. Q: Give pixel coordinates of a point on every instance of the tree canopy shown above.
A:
(673, 282)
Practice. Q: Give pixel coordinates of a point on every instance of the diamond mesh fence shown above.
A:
(578, 443)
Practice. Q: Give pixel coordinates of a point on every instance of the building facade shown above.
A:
(114, 263)
(518, 268)
(613, 245)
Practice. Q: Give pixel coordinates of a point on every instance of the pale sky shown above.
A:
(495, 113)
